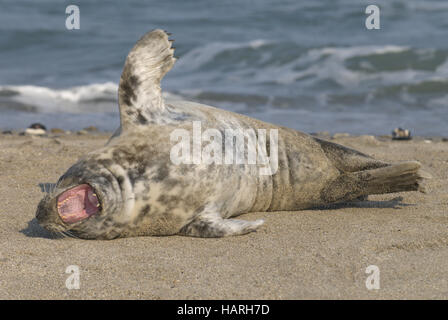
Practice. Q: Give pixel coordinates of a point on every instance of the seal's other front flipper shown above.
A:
(213, 226)
(139, 93)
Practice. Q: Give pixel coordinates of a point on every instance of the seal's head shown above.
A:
(84, 204)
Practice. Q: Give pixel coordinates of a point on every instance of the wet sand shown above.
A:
(310, 254)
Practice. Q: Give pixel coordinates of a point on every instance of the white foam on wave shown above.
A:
(356, 51)
(92, 98)
(74, 99)
(73, 94)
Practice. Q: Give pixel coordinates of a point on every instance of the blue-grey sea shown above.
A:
(309, 65)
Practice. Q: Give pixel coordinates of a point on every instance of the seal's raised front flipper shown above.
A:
(406, 176)
(211, 225)
(139, 93)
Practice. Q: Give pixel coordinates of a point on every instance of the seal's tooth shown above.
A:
(60, 203)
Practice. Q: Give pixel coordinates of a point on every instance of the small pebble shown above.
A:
(57, 131)
(340, 135)
(81, 132)
(91, 129)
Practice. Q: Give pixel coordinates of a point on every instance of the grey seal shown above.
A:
(131, 187)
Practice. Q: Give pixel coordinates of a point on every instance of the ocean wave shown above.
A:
(77, 99)
(268, 64)
(201, 56)
(262, 77)
(322, 76)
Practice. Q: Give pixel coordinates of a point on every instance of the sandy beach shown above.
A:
(310, 254)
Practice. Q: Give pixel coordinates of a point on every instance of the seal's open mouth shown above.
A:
(78, 203)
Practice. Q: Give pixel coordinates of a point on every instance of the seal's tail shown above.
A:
(406, 176)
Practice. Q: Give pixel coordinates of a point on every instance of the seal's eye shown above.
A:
(78, 203)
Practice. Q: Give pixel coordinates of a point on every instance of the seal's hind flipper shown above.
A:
(213, 226)
(349, 160)
(406, 176)
(139, 93)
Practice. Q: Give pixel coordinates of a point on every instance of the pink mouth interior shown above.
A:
(77, 204)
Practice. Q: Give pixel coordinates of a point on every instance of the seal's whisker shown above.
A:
(67, 234)
(71, 234)
(61, 233)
